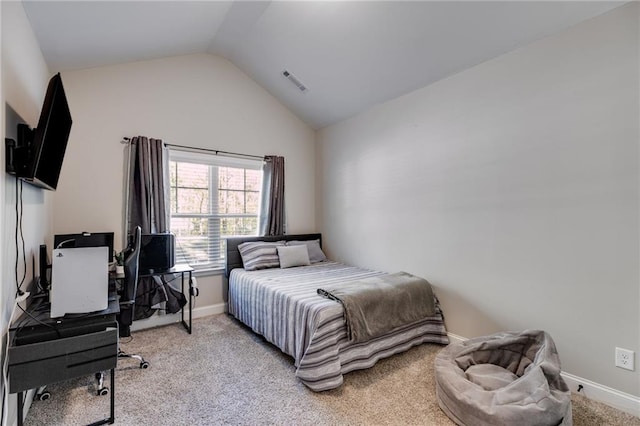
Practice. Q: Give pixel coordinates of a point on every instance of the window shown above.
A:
(212, 197)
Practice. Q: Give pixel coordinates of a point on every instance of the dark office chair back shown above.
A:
(130, 284)
(131, 263)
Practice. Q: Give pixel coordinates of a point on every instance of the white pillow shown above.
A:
(313, 246)
(293, 256)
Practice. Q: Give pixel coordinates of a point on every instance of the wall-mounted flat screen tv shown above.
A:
(38, 154)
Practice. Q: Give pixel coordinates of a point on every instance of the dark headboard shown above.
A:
(234, 260)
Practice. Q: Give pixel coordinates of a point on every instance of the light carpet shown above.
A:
(225, 374)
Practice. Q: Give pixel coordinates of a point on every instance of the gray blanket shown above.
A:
(376, 305)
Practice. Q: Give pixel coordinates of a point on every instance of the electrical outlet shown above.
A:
(625, 359)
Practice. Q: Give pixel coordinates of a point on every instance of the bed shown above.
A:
(284, 307)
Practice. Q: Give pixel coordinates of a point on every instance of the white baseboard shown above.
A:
(165, 319)
(205, 311)
(592, 390)
(454, 338)
(597, 392)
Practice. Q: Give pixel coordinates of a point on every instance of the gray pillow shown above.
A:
(293, 256)
(260, 254)
(313, 246)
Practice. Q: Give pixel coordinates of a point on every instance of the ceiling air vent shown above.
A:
(292, 78)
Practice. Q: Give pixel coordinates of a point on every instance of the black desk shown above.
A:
(44, 350)
(181, 269)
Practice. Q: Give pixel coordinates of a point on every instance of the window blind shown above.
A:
(212, 197)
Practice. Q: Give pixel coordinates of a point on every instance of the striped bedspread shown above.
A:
(284, 307)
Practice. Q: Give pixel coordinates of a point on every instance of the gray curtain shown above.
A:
(272, 216)
(147, 206)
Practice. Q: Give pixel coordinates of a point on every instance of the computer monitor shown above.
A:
(157, 252)
(85, 239)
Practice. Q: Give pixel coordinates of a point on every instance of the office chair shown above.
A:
(127, 301)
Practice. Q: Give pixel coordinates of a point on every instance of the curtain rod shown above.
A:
(214, 151)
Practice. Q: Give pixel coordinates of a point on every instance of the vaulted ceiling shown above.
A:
(349, 55)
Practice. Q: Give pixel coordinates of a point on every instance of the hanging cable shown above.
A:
(24, 251)
(17, 244)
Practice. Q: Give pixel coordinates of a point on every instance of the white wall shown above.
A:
(513, 188)
(24, 83)
(195, 100)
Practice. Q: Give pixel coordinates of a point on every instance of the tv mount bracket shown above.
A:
(17, 153)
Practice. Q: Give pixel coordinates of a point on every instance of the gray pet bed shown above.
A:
(503, 379)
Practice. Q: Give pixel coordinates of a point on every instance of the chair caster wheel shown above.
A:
(44, 396)
(103, 391)
(144, 365)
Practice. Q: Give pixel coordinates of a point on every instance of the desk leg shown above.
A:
(112, 401)
(20, 403)
(182, 290)
(112, 417)
(187, 326)
(191, 299)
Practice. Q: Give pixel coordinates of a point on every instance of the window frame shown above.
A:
(214, 161)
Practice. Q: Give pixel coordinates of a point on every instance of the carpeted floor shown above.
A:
(225, 374)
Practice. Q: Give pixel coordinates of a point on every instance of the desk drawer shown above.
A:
(38, 364)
